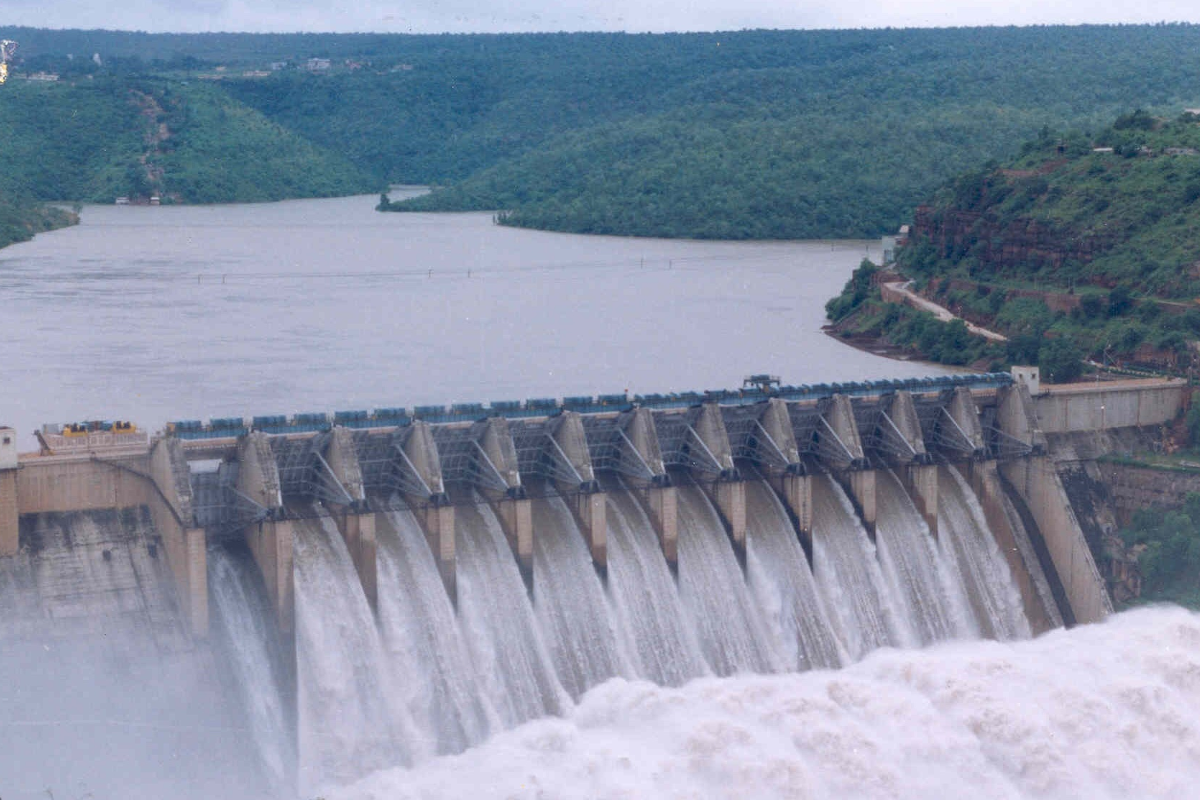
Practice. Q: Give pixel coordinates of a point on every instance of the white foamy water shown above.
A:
(729, 625)
(982, 568)
(778, 572)
(644, 596)
(1104, 712)
(510, 658)
(349, 720)
(429, 664)
(932, 600)
(569, 601)
(242, 621)
(847, 574)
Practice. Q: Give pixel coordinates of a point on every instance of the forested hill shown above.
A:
(753, 134)
(1079, 246)
(20, 220)
(1075, 212)
(95, 138)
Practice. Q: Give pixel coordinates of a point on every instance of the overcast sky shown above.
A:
(431, 16)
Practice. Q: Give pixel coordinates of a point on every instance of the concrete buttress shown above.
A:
(435, 514)
(438, 522)
(921, 481)
(1036, 596)
(10, 513)
(728, 494)
(422, 453)
(354, 520)
(776, 423)
(271, 539)
(965, 416)
(902, 429)
(862, 491)
(1036, 480)
(793, 485)
(639, 443)
(839, 444)
(171, 509)
(513, 508)
(588, 504)
(840, 448)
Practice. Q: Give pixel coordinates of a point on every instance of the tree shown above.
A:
(1060, 360)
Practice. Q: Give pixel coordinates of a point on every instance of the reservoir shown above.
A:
(159, 313)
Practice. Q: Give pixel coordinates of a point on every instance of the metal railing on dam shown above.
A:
(222, 427)
(252, 479)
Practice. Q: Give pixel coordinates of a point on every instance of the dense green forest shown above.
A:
(1168, 552)
(750, 134)
(20, 221)
(137, 135)
(1080, 246)
(1113, 208)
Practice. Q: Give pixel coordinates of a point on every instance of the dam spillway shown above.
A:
(391, 593)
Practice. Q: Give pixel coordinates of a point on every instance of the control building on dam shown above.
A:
(253, 481)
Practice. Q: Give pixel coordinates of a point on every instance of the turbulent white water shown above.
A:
(511, 662)
(662, 645)
(101, 694)
(982, 568)
(778, 572)
(1106, 711)
(729, 626)
(915, 568)
(569, 601)
(431, 668)
(848, 575)
(242, 620)
(349, 720)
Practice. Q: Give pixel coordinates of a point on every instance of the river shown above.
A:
(160, 313)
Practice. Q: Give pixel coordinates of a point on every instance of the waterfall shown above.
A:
(847, 574)
(242, 620)
(420, 679)
(510, 658)
(569, 601)
(982, 569)
(779, 573)
(431, 667)
(102, 694)
(933, 602)
(349, 721)
(645, 599)
(729, 627)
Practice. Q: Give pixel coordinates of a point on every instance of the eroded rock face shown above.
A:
(1020, 243)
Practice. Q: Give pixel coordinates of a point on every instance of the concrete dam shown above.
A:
(315, 597)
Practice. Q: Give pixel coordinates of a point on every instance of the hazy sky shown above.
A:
(425, 16)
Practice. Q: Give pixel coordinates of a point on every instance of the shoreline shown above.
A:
(878, 346)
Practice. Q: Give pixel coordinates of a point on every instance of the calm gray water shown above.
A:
(317, 305)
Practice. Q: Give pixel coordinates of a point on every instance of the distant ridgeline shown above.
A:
(751, 134)
(1083, 245)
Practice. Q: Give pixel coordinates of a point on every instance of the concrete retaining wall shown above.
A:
(53, 484)
(1037, 481)
(1083, 408)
